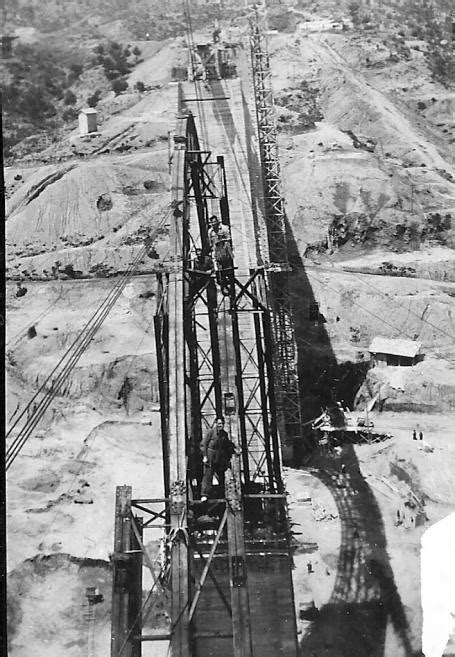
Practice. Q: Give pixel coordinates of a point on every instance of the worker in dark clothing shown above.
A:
(124, 394)
(21, 290)
(217, 450)
(414, 435)
(202, 270)
(420, 435)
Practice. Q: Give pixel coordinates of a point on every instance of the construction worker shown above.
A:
(420, 435)
(217, 450)
(124, 394)
(414, 435)
(202, 270)
(216, 35)
(21, 291)
(220, 240)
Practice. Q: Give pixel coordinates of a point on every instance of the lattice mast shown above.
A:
(288, 398)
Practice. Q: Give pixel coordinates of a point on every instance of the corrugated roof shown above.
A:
(397, 347)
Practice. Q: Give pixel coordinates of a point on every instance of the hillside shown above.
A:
(365, 119)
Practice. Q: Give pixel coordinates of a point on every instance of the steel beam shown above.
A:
(126, 580)
(177, 420)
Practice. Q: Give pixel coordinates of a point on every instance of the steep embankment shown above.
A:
(360, 171)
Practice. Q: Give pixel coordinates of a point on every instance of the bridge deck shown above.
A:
(222, 129)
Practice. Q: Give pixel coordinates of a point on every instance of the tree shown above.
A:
(69, 114)
(119, 85)
(76, 69)
(93, 100)
(69, 98)
(354, 8)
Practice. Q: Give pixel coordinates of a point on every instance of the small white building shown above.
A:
(87, 121)
(395, 352)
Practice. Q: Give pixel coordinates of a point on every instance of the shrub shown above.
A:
(93, 100)
(69, 98)
(139, 86)
(69, 114)
(119, 85)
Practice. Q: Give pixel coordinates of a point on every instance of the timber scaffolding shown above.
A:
(226, 567)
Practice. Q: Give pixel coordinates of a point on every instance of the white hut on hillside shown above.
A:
(401, 352)
(88, 121)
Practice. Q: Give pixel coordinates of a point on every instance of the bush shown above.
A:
(69, 98)
(119, 85)
(93, 100)
(69, 271)
(76, 69)
(114, 59)
(69, 114)
(140, 86)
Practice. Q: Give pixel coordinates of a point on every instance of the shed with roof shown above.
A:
(87, 121)
(395, 352)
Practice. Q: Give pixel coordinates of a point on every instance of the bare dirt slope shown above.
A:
(61, 490)
(369, 187)
(368, 177)
(77, 215)
(359, 164)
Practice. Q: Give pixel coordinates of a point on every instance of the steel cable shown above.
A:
(73, 354)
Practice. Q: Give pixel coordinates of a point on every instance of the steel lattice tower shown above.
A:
(278, 269)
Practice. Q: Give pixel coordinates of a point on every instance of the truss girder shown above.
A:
(285, 356)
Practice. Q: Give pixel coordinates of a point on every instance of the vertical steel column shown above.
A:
(136, 583)
(126, 582)
(161, 326)
(177, 419)
(288, 398)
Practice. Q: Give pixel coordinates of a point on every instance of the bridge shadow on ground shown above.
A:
(365, 597)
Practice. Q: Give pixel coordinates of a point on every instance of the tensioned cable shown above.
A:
(397, 303)
(79, 346)
(72, 355)
(381, 319)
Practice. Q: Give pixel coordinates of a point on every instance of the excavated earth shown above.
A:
(369, 189)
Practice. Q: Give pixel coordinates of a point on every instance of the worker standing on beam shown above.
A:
(202, 270)
(221, 243)
(217, 450)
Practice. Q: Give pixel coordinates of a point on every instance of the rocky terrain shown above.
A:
(368, 178)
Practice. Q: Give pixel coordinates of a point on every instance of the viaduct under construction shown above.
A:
(222, 351)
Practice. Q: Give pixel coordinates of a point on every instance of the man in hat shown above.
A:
(217, 450)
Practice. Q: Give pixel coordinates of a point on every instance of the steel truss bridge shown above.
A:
(226, 563)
